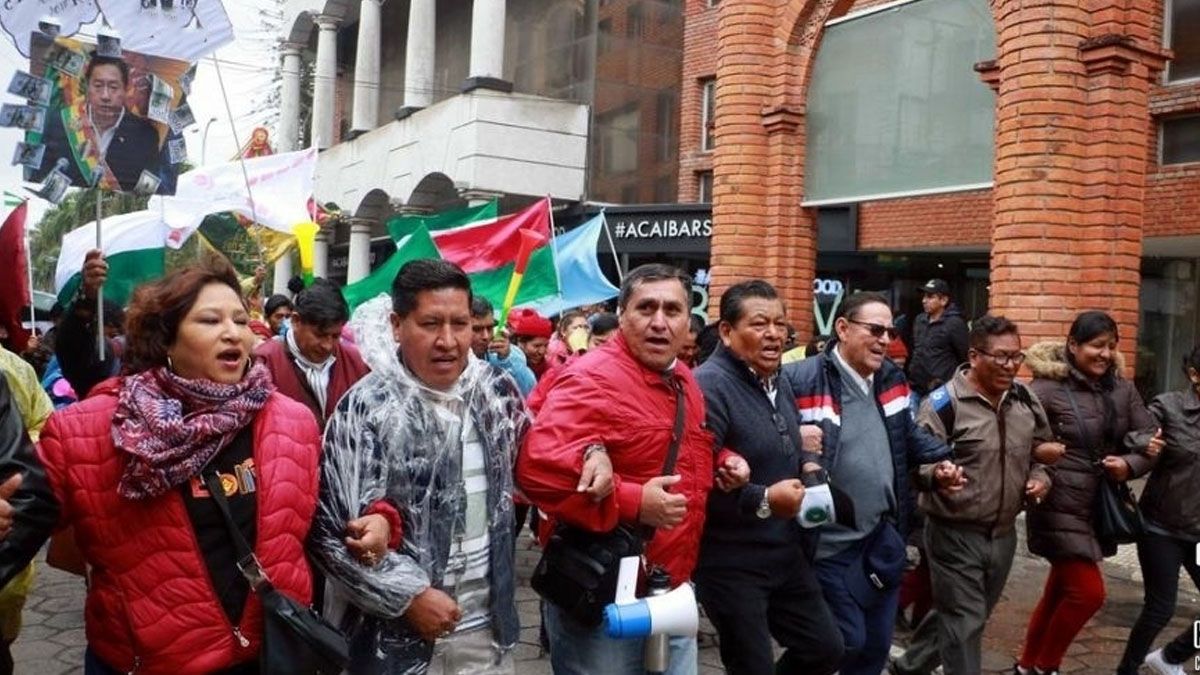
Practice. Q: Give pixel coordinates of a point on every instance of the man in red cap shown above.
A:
(531, 331)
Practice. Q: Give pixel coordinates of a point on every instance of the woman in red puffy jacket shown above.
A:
(125, 468)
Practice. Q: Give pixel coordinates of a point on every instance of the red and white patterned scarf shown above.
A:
(171, 427)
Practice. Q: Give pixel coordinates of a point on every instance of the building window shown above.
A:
(665, 118)
(708, 106)
(619, 134)
(1181, 140)
(604, 36)
(1182, 27)
(705, 179)
(664, 190)
(890, 109)
(635, 25)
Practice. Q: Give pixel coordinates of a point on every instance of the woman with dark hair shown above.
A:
(127, 469)
(1171, 513)
(1100, 418)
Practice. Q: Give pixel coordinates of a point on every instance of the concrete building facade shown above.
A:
(425, 105)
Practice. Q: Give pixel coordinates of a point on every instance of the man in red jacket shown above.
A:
(311, 364)
(595, 455)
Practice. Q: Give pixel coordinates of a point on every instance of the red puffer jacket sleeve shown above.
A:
(574, 416)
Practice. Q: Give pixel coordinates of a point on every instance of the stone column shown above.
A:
(321, 253)
(324, 81)
(359, 264)
(476, 197)
(419, 57)
(1073, 138)
(289, 100)
(487, 47)
(283, 272)
(288, 138)
(366, 67)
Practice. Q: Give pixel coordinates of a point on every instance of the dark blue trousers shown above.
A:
(866, 631)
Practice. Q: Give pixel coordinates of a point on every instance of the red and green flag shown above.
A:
(484, 245)
(417, 245)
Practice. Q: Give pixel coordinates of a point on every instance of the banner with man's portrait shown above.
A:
(111, 118)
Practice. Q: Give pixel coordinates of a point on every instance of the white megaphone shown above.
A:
(666, 613)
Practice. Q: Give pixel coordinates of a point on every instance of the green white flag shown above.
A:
(134, 245)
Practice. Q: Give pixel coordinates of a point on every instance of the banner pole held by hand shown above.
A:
(99, 291)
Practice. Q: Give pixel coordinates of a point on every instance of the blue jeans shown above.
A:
(866, 631)
(576, 650)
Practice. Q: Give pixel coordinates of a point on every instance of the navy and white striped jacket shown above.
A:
(817, 385)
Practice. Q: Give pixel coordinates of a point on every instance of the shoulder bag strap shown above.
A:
(1083, 438)
(677, 432)
(645, 532)
(247, 562)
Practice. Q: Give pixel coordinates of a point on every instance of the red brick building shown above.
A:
(1089, 146)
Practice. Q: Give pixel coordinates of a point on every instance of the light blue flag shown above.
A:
(581, 280)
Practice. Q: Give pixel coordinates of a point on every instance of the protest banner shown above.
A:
(176, 29)
(108, 118)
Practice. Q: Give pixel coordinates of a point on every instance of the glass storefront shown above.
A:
(899, 276)
(1168, 323)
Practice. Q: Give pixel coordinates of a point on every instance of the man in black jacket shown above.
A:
(753, 576)
(81, 363)
(939, 339)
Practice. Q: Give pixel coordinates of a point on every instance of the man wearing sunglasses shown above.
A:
(859, 400)
(998, 430)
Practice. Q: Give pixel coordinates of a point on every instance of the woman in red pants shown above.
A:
(1093, 411)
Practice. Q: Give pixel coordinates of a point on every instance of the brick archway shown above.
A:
(1072, 140)
(764, 56)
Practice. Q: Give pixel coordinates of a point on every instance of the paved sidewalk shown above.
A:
(52, 639)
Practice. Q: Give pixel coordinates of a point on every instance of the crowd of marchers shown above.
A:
(381, 468)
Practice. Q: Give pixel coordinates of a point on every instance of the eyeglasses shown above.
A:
(1004, 359)
(877, 330)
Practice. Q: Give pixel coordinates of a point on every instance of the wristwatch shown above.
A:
(764, 507)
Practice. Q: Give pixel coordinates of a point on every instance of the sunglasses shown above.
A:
(877, 330)
(1002, 359)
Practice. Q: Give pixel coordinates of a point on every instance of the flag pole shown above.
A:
(612, 247)
(554, 244)
(29, 269)
(99, 291)
(262, 255)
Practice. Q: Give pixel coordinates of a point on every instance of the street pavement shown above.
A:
(52, 639)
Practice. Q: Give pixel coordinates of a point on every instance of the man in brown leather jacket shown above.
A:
(999, 434)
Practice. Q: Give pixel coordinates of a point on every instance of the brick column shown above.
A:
(1072, 140)
(759, 229)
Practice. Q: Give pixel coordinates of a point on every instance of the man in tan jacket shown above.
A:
(1000, 436)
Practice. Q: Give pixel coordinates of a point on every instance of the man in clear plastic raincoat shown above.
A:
(435, 431)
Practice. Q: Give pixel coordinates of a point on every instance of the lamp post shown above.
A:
(204, 141)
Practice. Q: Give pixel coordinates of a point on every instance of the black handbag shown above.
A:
(578, 569)
(1115, 514)
(1118, 518)
(295, 638)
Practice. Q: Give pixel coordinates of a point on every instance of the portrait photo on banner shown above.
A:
(113, 118)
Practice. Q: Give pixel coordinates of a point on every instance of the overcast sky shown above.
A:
(247, 66)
